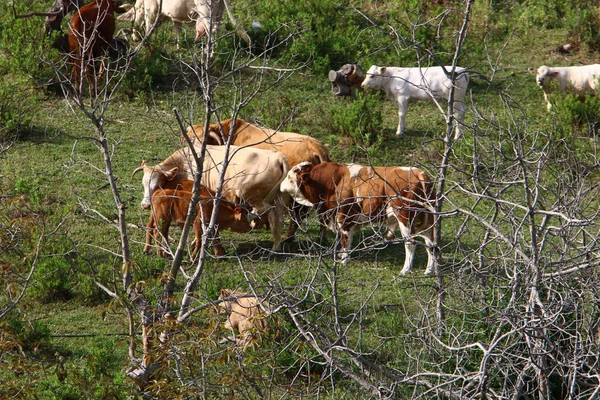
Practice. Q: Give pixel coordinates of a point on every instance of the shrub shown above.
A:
(574, 114)
(360, 119)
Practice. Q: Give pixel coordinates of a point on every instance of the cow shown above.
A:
(350, 196)
(202, 15)
(58, 11)
(580, 80)
(405, 85)
(171, 205)
(348, 78)
(246, 314)
(252, 177)
(91, 32)
(295, 147)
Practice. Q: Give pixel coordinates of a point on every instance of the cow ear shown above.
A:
(553, 74)
(532, 70)
(238, 212)
(382, 70)
(224, 293)
(172, 173)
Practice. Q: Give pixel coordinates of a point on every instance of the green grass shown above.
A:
(52, 176)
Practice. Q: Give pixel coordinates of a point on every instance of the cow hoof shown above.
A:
(288, 239)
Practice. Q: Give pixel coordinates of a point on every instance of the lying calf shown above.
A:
(170, 205)
(246, 314)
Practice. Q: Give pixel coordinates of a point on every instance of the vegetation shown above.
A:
(511, 312)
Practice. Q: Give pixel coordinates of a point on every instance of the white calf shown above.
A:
(405, 85)
(580, 80)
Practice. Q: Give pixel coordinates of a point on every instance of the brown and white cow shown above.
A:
(350, 196)
(252, 177)
(171, 205)
(295, 147)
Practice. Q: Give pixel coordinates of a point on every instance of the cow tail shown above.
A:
(238, 27)
(428, 196)
(275, 192)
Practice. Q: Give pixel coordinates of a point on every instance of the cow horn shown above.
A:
(138, 169)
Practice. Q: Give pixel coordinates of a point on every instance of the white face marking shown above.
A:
(290, 185)
(150, 183)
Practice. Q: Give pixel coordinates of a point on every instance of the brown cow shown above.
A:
(91, 32)
(252, 177)
(295, 147)
(170, 205)
(349, 196)
(247, 315)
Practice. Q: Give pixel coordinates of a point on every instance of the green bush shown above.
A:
(360, 119)
(575, 115)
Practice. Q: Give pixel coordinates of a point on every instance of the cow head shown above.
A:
(154, 178)
(349, 77)
(544, 74)
(217, 134)
(373, 78)
(294, 180)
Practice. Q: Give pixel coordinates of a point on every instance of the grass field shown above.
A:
(519, 275)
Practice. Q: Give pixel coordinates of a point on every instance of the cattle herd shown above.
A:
(254, 175)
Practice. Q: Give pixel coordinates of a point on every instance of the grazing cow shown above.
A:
(581, 80)
(90, 35)
(170, 205)
(295, 147)
(203, 15)
(252, 177)
(350, 196)
(405, 85)
(58, 11)
(247, 315)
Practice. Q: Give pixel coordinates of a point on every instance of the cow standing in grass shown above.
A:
(171, 205)
(580, 80)
(295, 147)
(252, 177)
(350, 196)
(91, 32)
(405, 85)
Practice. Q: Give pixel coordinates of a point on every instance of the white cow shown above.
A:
(201, 15)
(253, 177)
(581, 80)
(405, 85)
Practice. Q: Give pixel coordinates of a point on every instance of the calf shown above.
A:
(405, 85)
(581, 80)
(246, 315)
(91, 32)
(170, 205)
(350, 196)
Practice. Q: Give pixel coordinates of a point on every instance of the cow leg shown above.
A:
(218, 247)
(548, 104)
(402, 109)
(346, 244)
(298, 213)
(150, 228)
(276, 221)
(459, 117)
(409, 247)
(164, 233)
(430, 245)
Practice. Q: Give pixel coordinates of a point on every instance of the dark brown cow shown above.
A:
(350, 196)
(171, 205)
(91, 34)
